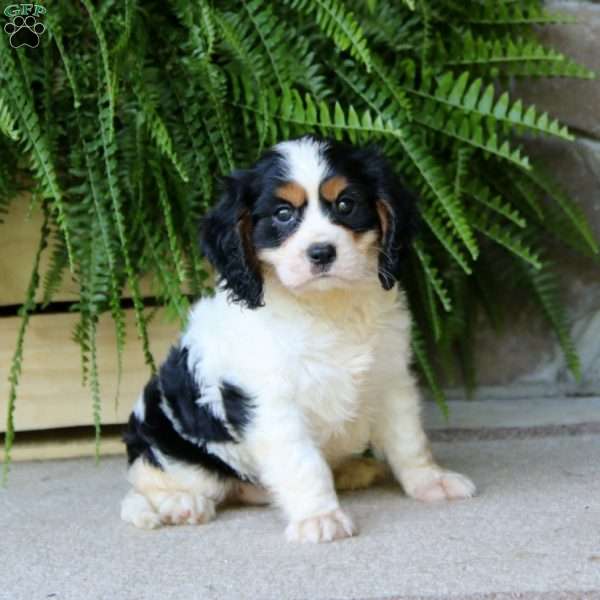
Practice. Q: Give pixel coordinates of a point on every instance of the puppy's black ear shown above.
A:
(227, 242)
(397, 211)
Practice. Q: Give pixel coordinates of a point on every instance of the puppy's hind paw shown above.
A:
(136, 509)
(179, 508)
(334, 525)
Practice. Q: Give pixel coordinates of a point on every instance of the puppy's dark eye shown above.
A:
(284, 214)
(344, 206)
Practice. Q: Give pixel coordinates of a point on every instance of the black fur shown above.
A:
(227, 231)
(237, 406)
(180, 392)
(243, 222)
(185, 437)
(369, 172)
(227, 247)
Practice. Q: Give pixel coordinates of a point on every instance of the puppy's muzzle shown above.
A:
(321, 255)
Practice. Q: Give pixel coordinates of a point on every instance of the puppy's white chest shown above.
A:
(334, 368)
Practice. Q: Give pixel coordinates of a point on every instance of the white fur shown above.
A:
(329, 374)
(356, 258)
(326, 362)
(139, 408)
(306, 163)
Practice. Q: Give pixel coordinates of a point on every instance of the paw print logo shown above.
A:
(24, 31)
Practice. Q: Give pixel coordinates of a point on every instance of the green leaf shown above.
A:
(433, 277)
(420, 352)
(545, 287)
(17, 359)
(338, 24)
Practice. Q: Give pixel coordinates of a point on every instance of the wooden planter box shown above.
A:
(51, 396)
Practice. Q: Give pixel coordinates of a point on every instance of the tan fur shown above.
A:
(333, 187)
(293, 192)
(358, 473)
(382, 211)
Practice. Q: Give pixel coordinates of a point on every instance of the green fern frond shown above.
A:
(92, 188)
(53, 276)
(170, 286)
(7, 122)
(159, 133)
(427, 32)
(208, 27)
(294, 112)
(107, 74)
(432, 172)
(108, 153)
(95, 386)
(573, 212)
(504, 235)
(216, 122)
(420, 353)
(459, 93)
(514, 55)
(469, 49)
(427, 299)
(17, 359)
(565, 68)
(123, 41)
(251, 69)
(462, 128)
(33, 140)
(446, 236)
(463, 156)
(270, 35)
(433, 276)
(390, 100)
(339, 25)
(483, 194)
(168, 222)
(514, 13)
(527, 192)
(545, 287)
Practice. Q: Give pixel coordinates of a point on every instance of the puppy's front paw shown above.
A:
(334, 525)
(431, 484)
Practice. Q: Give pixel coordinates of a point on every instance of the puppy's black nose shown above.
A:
(321, 254)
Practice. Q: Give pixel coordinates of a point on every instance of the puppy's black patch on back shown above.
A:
(137, 443)
(238, 406)
(178, 424)
(182, 396)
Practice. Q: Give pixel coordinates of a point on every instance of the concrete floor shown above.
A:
(533, 532)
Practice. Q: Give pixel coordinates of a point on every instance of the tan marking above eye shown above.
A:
(333, 187)
(293, 192)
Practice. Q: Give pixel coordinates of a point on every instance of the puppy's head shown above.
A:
(317, 213)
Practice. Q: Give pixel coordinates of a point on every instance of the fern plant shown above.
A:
(127, 111)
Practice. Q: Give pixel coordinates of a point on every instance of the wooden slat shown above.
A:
(63, 445)
(19, 238)
(51, 394)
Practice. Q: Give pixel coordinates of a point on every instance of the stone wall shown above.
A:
(525, 360)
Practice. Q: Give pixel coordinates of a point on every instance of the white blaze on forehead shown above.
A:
(306, 163)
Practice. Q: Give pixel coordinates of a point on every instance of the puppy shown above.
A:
(300, 361)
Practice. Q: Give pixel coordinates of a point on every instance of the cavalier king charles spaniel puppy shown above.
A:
(299, 362)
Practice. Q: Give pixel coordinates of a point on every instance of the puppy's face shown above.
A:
(319, 214)
(317, 225)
